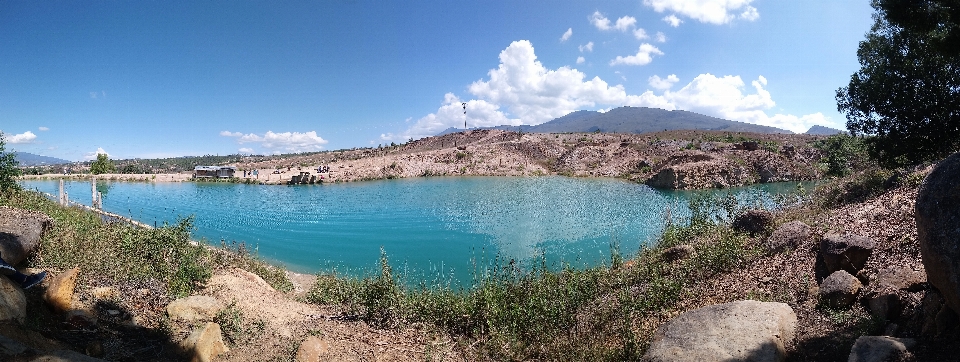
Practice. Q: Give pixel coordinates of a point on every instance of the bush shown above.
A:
(8, 168)
(842, 154)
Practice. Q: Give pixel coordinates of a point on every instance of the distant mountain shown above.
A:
(823, 131)
(29, 159)
(637, 120)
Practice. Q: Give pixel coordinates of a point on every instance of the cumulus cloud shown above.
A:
(640, 34)
(673, 20)
(622, 24)
(580, 60)
(567, 34)
(246, 150)
(660, 37)
(724, 97)
(707, 11)
(625, 23)
(480, 113)
(290, 142)
(25, 137)
(643, 57)
(42, 128)
(90, 156)
(522, 91)
(600, 21)
(586, 47)
(663, 83)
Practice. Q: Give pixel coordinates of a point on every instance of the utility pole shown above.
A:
(464, 115)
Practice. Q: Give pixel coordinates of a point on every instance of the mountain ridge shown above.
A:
(635, 120)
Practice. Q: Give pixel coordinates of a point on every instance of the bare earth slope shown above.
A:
(672, 159)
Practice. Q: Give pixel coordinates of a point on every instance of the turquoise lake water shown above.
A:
(431, 228)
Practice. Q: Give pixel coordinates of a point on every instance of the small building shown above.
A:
(214, 171)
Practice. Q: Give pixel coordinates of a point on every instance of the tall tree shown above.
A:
(907, 91)
(8, 168)
(102, 165)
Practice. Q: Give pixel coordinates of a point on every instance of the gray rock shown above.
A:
(65, 356)
(885, 305)
(899, 278)
(20, 232)
(745, 330)
(846, 252)
(197, 308)
(790, 235)
(840, 289)
(677, 252)
(753, 222)
(13, 303)
(879, 348)
(938, 216)
(10, 348)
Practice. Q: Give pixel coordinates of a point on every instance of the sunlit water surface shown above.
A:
(441, 228)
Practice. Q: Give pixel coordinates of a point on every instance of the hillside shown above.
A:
(29, 159)
(823, 131)
(635, 120)
(671, 159)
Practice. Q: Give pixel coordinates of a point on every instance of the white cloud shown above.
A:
(246, 150)
(25, 137)
(480, 113)
(622, 24)
(640, 34)
(567, 35)
(290, 142)
(522, 90)
(660, 37)
(90, 156)
(580, 60)
(42, 128)
(723, 97)
(588, 47)
(663, 83)
(600, 21)
(643, 57)
(673, 20)
(625, 23)
(707, 11)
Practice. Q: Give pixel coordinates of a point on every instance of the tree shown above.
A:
(8, 168)
(906, 95)
(102, 165)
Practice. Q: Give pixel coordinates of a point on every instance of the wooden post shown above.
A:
(93, 191)
(62, 195)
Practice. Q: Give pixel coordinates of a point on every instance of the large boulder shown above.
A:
(938, 215)
(753, 222)
(13, 303)
(790, 235)
(879, 348)
(840, 289)
(846, 252)
(745, 330)
(197, 308)
(59, 293)
(678, 252)
(313, 349)
(205, 343)
(20, 232)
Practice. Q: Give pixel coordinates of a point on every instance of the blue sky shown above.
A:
(163, 78)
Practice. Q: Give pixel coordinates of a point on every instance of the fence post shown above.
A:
(62, 195)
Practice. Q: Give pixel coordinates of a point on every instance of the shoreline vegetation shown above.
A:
(607, 312)
(669, 159)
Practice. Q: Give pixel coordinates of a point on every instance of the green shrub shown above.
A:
(842, 154)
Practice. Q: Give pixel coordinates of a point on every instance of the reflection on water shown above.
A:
(429, 227)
